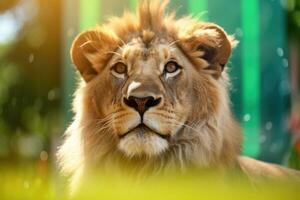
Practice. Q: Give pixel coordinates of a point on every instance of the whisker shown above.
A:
(173, 119)
(122, 43)
(102, 128)
(108, 117)
(165, 115)
(112, 52)
(174, 42)
(104, 124)
(187, 126)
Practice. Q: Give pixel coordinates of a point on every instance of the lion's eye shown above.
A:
(172, 69)
(119, 70)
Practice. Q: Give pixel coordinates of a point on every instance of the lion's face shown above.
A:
(153, 87)
(149, 92)
(147, 95)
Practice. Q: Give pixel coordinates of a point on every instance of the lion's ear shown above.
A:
(83, 51)
(211, 43)
(89, 51)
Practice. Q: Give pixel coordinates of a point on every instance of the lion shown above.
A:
(154, 96)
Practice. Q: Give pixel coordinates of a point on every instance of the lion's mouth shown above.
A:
(142, 129)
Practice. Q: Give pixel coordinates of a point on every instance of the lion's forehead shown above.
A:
(153, 55)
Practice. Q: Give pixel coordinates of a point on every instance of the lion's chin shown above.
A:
(142, 141)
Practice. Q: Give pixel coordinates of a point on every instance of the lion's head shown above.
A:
(154, 90)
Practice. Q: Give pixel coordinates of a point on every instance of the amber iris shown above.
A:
(171, 67)
(120, 68)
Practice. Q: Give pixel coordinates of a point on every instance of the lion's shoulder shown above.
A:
(261, 171)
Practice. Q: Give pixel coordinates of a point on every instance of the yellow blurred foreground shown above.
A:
(24, 183)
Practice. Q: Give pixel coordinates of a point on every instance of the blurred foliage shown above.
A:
(293, 8)
(293, 21)
(30, 113)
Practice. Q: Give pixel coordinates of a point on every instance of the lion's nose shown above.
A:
(141, 104)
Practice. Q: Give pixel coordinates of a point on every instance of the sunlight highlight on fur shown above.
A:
(170, 122)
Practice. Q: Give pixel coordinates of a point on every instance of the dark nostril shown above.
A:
(130, 102)
(152, 102)
(141, 104)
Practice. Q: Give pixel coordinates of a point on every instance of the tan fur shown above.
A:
(259, 171)
(194, 112)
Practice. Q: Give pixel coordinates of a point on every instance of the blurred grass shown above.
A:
(34, 182)
(26, 182)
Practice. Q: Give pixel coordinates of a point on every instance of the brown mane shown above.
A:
(89, 142)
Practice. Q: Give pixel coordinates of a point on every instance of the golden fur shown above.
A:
(191, 126)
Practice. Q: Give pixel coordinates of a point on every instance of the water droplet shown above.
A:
(284, 87)
(70, 32)
(44, 156)
(31, 58)
(285, 62)
(26, 184)
(239, 32)
(52, 94)
(274, 148)
(30, 146)
(269, 126)
(262, 138)
(247, 117)
(279, 51)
